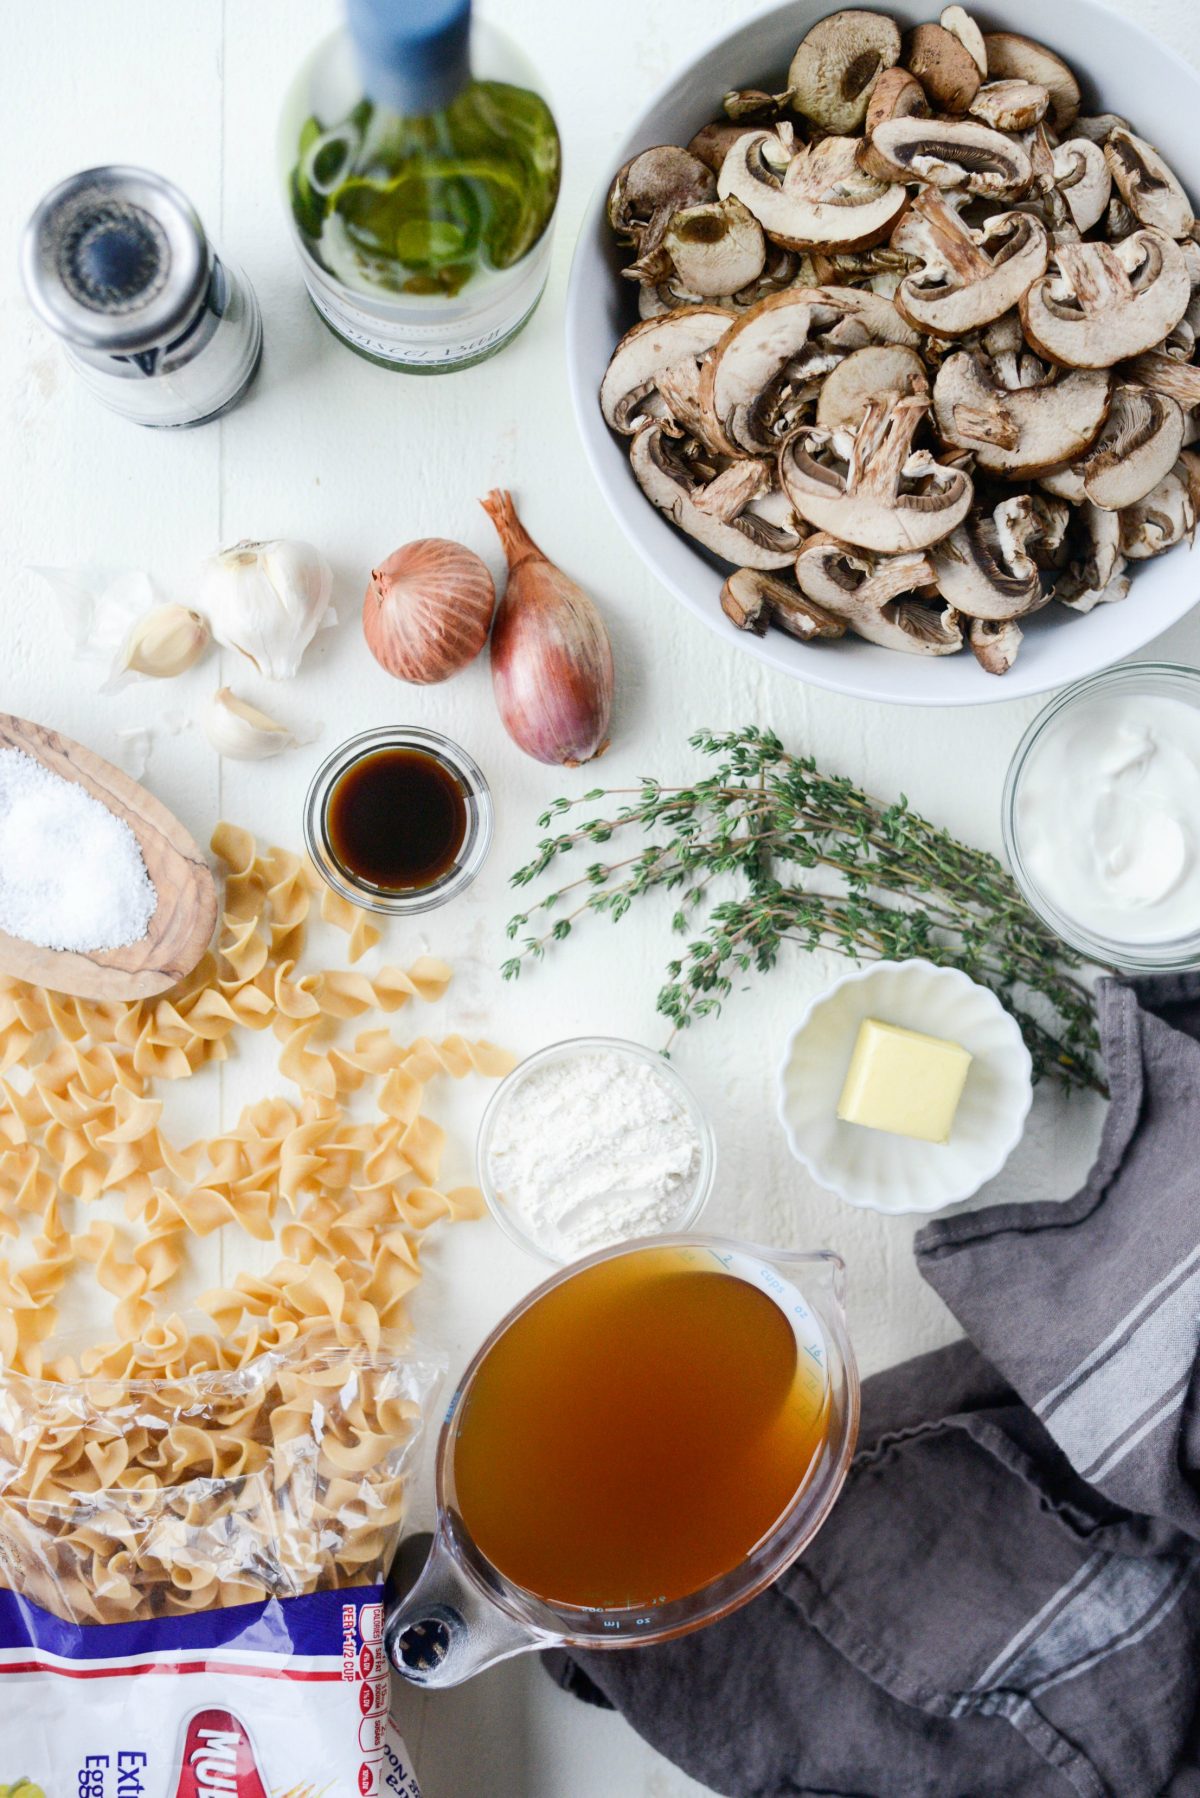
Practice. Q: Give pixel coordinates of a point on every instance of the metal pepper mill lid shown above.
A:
(116, 262)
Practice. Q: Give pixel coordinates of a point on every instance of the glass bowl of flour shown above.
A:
(594, 1142)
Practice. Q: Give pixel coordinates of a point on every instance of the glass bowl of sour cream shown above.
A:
(1102, 816)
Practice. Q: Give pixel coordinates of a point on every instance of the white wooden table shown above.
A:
(360, 461)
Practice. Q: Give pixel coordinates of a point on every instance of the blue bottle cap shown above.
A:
(413, 55)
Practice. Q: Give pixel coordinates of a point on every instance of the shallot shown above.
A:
(428, 610)
(552, 665)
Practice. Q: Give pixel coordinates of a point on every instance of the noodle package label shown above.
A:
(191, 1577)
(283, 1699)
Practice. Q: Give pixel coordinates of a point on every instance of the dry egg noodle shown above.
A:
(239, 1437)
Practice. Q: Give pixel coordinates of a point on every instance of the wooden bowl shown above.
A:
(183, 921)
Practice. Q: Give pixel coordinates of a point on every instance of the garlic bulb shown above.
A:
(237, 729)
(268, 600)
(161, 643)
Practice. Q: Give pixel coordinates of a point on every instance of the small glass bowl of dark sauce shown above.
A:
(398, 820)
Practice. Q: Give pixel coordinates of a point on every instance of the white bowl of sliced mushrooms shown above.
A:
(883, 344)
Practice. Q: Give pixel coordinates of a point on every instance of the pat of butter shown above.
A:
(903, 1082)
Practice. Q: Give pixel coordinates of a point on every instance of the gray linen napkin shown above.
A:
(1003, 1601)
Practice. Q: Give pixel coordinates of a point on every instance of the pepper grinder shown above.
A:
(161, 329)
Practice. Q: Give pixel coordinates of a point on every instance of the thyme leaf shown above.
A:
(821, 864)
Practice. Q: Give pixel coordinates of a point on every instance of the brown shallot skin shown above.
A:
(552, 665)
(428, 610)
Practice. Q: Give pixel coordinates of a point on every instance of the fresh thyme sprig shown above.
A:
(870, 880)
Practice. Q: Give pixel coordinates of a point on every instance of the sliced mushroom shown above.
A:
(943, 65)
(752, 600)
(816, 197)
(781, 270)
(1161, 520)
(1188, 467)
(1137, 448)
(1011, 105)
(1016, 416)
(1099, 127)
(630, 388)
(985, 568)
(1163, 373)
(715, 249)
(1147, 186)
(1191, 255)
(682, 401)
(879, 268)
(1100, 304)
(753, 106)
(870, 487)
(1044, 198)
(836, 66)
(958, 20)
(1065, 483)
(713, 142)
(1050, 548)
(871, 592)
(650, 187)
(951, 153)
(1119, 222)
(744, 538)
(1016, 58)
(896, 95)
(1081, 176)
(778, 353)
(802, 288)
(1097, 575)
(994, 643)
(882, 371)
(969, 277)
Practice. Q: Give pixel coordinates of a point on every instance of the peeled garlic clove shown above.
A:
(268, 600)
(163, 643)
(237, 729)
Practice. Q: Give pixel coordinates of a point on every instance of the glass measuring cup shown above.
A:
(463, 1614)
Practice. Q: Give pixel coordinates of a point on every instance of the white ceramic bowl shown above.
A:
(1124, 70)
(871, 1168)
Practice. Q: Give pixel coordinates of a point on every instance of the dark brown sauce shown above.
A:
(397, 820)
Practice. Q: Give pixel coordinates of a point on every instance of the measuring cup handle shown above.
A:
(445, 1630)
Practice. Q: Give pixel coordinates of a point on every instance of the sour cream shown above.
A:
(1107, 817)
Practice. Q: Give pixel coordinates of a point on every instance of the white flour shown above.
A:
(592, 1149)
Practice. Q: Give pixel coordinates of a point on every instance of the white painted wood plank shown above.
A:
(360, 460)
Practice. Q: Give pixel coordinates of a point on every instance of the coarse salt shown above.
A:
(592, 1148)
(71, 873)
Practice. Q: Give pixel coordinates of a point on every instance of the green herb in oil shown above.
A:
(822, 865)
(420, 205)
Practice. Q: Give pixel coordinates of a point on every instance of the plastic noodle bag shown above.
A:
(229, 1529)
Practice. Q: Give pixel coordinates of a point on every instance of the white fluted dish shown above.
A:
(894, 1174)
